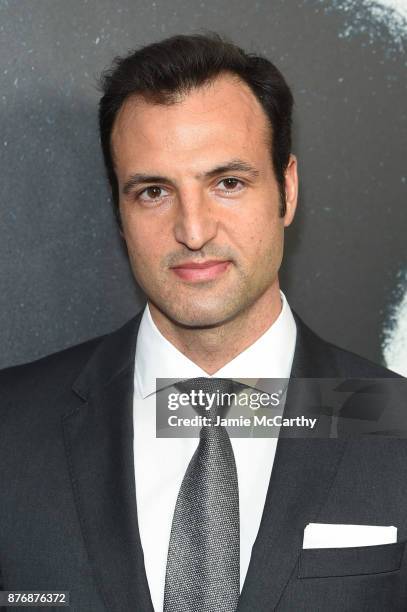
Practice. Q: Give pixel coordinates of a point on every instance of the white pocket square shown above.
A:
(328, 535)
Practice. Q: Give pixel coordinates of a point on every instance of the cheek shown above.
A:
(259, 234)
(146, 248)
(137, 235)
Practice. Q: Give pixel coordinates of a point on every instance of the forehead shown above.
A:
(223, 113)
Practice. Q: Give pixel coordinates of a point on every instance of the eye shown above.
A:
(152, 193)
(231, 185)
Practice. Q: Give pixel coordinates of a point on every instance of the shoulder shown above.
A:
(52, 372)
(50, 378)
(352, 364)
(321, 358)
(33, 396)
(64, 366)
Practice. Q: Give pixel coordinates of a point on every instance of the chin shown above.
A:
(193, 311)
(200, 318)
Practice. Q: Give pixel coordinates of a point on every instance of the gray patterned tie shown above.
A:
(203, 565)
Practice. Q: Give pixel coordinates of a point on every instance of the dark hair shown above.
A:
(163, 71)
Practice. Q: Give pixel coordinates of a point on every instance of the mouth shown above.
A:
(208, 270)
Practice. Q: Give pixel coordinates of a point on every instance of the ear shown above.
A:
(291, 190)
(119, 221)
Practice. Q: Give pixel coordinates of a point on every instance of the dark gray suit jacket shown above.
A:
(68, 516)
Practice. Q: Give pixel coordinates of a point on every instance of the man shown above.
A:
(196, 140)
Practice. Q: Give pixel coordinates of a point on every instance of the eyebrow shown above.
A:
(235, 165)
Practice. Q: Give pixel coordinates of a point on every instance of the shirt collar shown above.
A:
(270, 356)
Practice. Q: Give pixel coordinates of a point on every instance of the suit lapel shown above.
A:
(99, 446)
(302, 474)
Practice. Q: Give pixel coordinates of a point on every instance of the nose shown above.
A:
(195, 222)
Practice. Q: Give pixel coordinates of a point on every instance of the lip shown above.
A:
(208, 270)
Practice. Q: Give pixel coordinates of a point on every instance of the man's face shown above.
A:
(197, 185)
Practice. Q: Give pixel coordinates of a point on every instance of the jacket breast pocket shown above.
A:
(330, 562)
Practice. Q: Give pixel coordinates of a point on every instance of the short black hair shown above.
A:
(162, 71)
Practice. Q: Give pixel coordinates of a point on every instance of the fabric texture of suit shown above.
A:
(68, 516)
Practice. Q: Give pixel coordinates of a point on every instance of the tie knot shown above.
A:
(210, 396)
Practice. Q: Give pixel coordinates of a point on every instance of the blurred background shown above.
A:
(64, 272)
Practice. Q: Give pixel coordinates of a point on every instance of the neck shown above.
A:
(213, 347)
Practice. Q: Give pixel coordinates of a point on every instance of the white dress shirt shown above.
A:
(160, 463)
